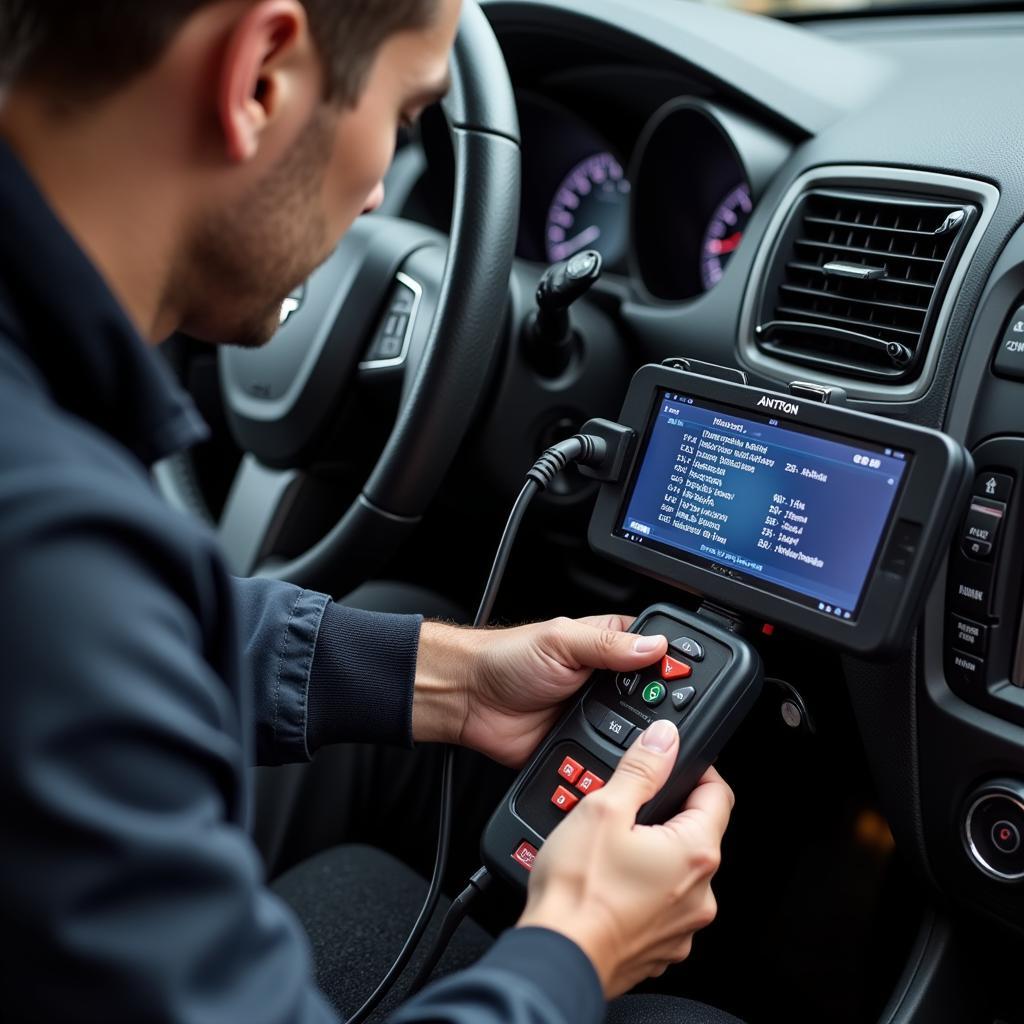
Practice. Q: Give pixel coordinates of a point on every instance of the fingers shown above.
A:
(598, 642)
(708, 807)
(645, 768)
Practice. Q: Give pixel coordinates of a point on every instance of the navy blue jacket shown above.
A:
(139, 683)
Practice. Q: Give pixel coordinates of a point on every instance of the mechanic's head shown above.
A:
(259, 128)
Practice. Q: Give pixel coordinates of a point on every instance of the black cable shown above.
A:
(444, 830)
(479, 883)
(526, 495)
(543, 471)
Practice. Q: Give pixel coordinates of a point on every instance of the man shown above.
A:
(184, 164)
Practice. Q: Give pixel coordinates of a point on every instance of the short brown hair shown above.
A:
(87, 48)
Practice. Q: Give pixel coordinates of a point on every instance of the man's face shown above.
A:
(246, 257)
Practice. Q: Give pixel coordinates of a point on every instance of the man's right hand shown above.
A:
(632, 896)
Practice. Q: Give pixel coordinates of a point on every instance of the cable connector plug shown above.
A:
(610, 456)
(599, 451)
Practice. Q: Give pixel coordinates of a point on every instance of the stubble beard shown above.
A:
(247, 258)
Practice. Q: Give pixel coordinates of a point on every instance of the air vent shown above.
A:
(857, 281)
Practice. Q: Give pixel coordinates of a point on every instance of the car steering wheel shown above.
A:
(392, 306)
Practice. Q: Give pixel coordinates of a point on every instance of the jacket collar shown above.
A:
(57, 309)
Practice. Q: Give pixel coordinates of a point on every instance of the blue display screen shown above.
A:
(788, 509)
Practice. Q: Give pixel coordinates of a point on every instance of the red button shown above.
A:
(563, 799)
(525, 855)
(571, 770)
(672, 669)
(589, 783)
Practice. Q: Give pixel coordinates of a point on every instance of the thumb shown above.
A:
(645, 767)
(589, 645)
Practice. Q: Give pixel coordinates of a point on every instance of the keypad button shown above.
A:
(689, 647)
(681, 697)
(563, 799)
(673, 669)
(627, 682)
(589, 782)
(616, 728)
(525, 855)
(654, 693)
(570, 770)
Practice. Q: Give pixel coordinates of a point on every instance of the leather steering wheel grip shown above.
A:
(461, 352)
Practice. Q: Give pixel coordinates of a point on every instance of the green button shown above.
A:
(654, 693)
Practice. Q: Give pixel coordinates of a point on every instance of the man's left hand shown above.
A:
(499, 691)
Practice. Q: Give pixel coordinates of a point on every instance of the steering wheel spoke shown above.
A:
(256, 512)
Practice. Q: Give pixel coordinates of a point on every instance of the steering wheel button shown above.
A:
(686, 645)
(681, 697)
(563, 799)
(672, 669)
(570, 770)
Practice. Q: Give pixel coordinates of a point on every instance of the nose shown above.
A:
(375, 198)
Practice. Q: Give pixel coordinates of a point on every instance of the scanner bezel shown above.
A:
(920, 526)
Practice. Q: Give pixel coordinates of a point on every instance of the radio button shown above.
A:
(979, 549)
(996, 486)
(966, 669)
(1009, 360)
(981, 527)
(967, 635)
(970, 588)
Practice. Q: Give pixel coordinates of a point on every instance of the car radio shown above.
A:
(820, 518)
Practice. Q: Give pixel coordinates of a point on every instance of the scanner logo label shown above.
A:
(779, 405)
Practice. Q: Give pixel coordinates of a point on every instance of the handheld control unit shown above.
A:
(824, 519)
(705, 685)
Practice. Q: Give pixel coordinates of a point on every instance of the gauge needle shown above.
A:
(724, 246)
(563, 250)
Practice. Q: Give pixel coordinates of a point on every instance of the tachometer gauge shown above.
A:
(724, 234)
(590, 211)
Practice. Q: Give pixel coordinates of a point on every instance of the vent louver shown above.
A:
(857, 281)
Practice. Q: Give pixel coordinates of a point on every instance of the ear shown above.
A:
(263, 56)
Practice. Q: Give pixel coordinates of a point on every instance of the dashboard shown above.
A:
(837, 203)
(662, 184)
(582, 190)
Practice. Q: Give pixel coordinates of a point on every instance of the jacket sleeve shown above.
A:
(323, 673)
(529, 976)
(127, 886)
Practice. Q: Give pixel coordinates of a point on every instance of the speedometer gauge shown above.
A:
(724, 234)
(590, 211)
